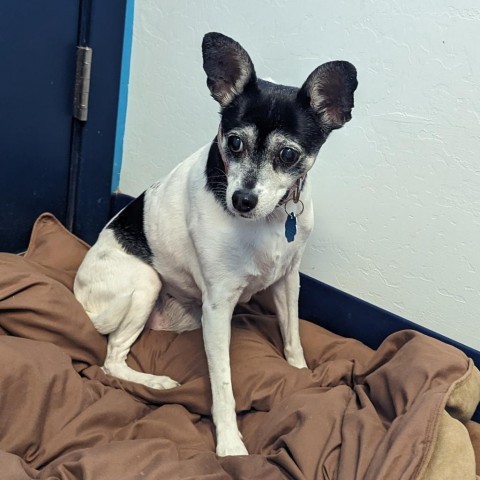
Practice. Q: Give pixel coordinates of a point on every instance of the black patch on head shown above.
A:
(270, 107)
(128, 230)
(307, 114)
(216, 176)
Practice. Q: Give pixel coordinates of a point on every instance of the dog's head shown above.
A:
(269, 134)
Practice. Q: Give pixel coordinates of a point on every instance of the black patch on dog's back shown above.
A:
(128, 230)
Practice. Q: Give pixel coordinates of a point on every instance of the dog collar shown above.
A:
(293, 195)
(295, 191)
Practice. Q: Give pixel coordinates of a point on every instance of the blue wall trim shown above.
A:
(123, 94)
(98, 134)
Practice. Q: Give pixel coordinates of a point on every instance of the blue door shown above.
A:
(49, 160)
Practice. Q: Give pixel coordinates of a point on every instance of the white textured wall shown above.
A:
(397, 191)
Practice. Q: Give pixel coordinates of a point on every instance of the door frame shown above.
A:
(106, 27)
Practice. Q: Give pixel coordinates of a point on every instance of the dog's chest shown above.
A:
(263, 257)
(198, 247)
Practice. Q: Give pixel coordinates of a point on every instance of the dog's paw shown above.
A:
(160, 382)
(121, 370)
(296, 360)
(231, 446)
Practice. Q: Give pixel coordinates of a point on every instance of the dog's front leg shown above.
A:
(216, 324)
(285, 296)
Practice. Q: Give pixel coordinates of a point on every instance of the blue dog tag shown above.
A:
(290, 227)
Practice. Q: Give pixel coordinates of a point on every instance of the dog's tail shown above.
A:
(109, 319)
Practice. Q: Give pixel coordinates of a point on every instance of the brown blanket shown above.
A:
(394, 413)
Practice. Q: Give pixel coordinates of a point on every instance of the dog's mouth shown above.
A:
(254, 215)
(247, 216)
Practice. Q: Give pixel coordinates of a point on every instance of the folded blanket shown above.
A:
(395, 413)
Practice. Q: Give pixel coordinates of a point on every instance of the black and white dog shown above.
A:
(229, 221)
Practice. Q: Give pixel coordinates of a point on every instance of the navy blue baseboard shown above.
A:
(349, 316)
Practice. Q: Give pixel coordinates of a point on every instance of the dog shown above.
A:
(229, 221)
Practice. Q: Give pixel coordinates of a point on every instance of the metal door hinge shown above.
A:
(82, 83)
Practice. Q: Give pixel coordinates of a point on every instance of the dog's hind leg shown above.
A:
(118, 292)
(142, 300)
(108, 320)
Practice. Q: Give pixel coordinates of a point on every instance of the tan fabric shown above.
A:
(53, 246)
(356, 414)
(453, 452)
(474, 432)
(459, 403)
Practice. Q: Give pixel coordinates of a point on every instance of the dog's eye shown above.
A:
(235, 144)
(288, 155)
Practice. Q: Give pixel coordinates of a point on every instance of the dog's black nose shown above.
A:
(244, 201)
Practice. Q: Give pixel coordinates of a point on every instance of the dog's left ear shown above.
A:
(329, 92)
(228, 67)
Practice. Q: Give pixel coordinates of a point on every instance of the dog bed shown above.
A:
(400, 412)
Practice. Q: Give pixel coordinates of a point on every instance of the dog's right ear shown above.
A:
(228, 67)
